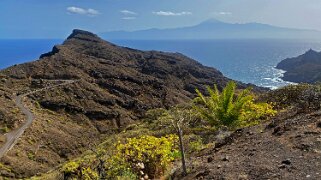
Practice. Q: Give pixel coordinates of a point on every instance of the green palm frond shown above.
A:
(227, 108)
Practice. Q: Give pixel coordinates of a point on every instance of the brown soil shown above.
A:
(289, 147)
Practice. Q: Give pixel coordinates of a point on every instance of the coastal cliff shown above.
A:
(304, 68)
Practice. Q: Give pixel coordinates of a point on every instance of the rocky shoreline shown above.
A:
(305, 68)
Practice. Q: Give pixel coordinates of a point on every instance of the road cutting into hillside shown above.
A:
(13, 136)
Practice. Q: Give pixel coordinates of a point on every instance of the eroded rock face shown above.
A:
(304, 68)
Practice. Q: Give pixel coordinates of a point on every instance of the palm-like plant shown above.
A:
(223, 109)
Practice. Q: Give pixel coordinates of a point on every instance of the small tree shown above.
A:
(177, 119)
(180, 117)
(101, 164)
(229, 109)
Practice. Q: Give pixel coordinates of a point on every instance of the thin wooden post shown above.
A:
(181, 146)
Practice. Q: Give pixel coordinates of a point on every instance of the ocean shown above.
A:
(16, 51)
(249, 61)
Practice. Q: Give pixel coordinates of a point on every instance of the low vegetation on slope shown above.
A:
(10, 117)
(115, 87)
(287, 147)
(151, 149)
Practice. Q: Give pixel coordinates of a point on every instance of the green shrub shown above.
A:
(4, 168)
(164, 122)
(31, 155)
(88, 174)
(71, 170)
(153, 114)
(305, 97)
(77, 170)
(147, 154)
(230, 109)
(127, 175)
(5, 129)
(70, 167)
(195, 144)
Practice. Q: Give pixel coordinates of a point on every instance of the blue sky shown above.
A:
(56, 18)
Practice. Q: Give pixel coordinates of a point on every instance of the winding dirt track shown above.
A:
(13, 136)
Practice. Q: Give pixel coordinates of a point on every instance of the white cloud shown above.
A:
(127, 12)
(128, 18)
(93, 12)
(222, 13)
(169, 13)
(225, 13)
(78, 10)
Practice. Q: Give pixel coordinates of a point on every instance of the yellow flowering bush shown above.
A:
(253, 112)
(70, 167)
(303, 97)
(88, 174)
(77, 170)
(144, 155)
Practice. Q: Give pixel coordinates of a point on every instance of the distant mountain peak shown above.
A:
(212, 21)
(311, 51)
(216, 29)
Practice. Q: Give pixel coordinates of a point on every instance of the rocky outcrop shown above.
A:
(304, 68)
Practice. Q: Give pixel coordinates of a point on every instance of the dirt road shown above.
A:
(13, 136)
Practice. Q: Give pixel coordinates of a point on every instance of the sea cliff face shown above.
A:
(304, 68)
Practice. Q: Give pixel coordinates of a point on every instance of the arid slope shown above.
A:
(115, 87)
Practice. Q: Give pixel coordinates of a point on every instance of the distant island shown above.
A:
(215, 29)
(304, 68)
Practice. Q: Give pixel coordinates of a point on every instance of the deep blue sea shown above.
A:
(250, 61)
(15, 51)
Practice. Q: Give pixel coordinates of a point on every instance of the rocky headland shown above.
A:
(304, 68)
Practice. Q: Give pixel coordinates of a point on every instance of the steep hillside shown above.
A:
(116, 82)
(304, 68)
(288, 147)
(115, 86)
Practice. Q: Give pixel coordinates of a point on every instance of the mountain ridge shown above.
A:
(215, 29)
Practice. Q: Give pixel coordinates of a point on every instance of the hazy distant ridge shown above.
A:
(214, 29)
